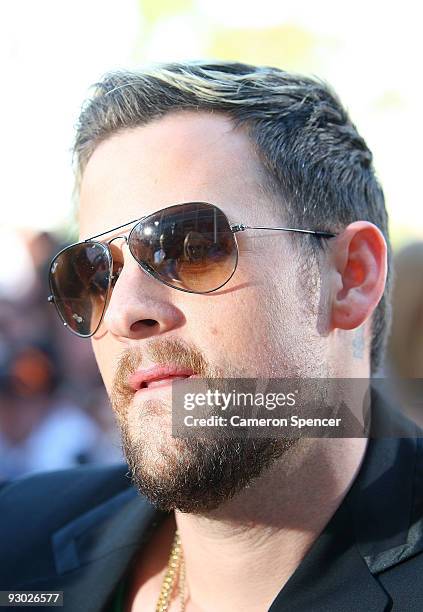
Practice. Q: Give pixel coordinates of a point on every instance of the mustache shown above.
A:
(159, 352)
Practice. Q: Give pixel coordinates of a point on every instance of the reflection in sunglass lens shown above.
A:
(79, 282)
(189, 246)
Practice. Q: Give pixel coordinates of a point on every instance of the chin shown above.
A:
(193, 475)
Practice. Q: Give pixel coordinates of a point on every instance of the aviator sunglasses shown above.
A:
(191, 247)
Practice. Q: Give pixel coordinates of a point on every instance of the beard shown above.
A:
(192, 475)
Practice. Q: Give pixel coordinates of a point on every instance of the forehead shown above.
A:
(182, 157)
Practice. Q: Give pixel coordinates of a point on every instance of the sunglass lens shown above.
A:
(79, 282)
(188, 246)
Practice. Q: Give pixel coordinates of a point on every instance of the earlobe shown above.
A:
(359, 257)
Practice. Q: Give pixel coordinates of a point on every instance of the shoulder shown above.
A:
(51, 499)
(386, 505)
(56, 524)
(84, 477)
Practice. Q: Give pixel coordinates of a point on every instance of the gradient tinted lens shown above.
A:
(188, 246)
(79, 282)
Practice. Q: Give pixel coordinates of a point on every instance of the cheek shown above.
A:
(106, 360)
(258, 326)
(239, 330)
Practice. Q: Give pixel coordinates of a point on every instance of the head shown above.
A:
(269, 149)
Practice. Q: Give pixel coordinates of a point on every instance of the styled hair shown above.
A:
(314, 159)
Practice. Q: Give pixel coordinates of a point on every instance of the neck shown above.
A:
(228, 551)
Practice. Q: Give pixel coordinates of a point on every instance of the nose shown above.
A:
(140, 306)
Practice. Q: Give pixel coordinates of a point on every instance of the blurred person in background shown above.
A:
(204, 153)
(40, 428)
(46, 377)
(405, 348)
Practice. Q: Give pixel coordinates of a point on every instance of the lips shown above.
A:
(157, 376)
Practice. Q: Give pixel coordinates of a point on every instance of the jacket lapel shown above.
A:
(385, 501)
(377, 526)
(92, 552)
(332, 576)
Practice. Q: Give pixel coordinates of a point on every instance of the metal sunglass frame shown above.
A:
(234, 227)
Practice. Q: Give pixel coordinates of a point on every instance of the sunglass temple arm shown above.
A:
(241, 227)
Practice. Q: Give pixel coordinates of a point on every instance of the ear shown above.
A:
(359, 258)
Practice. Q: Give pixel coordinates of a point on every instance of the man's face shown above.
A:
(260, 324)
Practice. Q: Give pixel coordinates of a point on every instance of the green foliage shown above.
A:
(286, 46)
(154, 10)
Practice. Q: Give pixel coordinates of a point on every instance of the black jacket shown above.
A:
(77, 530)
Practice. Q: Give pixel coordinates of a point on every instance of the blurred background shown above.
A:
(53, 410)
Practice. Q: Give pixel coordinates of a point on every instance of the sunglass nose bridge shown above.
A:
(125, 238)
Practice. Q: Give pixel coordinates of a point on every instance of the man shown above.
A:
(173, 164)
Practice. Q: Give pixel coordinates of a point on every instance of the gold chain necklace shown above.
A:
(175, 575)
